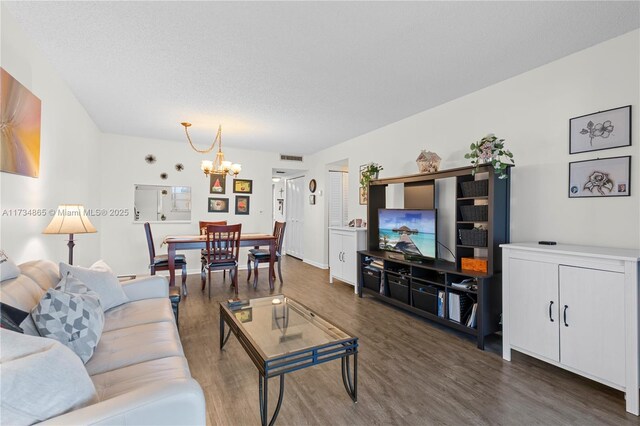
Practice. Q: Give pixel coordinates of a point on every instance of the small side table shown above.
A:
(174, 297)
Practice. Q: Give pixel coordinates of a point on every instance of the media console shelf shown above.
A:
(426, 288)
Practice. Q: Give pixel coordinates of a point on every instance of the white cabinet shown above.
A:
(344, 243)
(577, 308)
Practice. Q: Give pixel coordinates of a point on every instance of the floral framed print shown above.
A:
(242, 186)
(606, 177)
(218, 205)
(217, 183)
(601, 130)
(242, 204)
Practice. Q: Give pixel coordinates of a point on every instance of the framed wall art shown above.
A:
(312, 199)
(606, 177)
(600, 130)
(20, 136)
(363, 195)
(242, 204)
(242, 186)
(217, 183)
(218, 205)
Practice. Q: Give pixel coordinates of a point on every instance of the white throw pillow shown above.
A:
(100, 279)
(8, 268)
(71, 314)
(41, 378)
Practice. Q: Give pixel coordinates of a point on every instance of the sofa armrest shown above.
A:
(175, 402)
(148, 287)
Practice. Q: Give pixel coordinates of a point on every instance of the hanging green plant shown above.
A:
(490, 150)
(368, 172)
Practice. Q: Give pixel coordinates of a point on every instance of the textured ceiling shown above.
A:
(297, 77)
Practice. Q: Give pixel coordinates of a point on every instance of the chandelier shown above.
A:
(219, 165)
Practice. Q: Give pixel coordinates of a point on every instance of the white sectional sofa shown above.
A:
(139, 369)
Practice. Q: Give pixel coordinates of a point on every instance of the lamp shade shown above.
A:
(70, 219)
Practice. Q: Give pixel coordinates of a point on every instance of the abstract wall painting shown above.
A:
(601, 130)
(606, 177)
(20, 112)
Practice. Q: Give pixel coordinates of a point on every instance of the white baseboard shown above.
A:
(316, 264)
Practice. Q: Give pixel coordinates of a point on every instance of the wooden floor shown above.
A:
(411, 371)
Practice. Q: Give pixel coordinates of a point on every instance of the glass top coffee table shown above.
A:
(281, 335)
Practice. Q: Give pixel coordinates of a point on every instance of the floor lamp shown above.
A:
(70, 219)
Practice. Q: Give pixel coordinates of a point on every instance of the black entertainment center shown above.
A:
(466, 300)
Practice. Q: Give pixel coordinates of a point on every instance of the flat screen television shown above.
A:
(412, 232)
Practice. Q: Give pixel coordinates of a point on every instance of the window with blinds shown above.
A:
(338, 198)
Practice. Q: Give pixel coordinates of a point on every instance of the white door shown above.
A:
(295, 217)
(592, 339)
(533, 307)
(338, 198)
(335, 255)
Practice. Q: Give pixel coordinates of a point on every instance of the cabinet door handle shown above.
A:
(565, 315)
(341, 256)
(550, 306)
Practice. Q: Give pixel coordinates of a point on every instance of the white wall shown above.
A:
(531, 111)
(124, 244)
(68, 159)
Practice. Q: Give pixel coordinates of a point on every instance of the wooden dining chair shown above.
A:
(161, 262)
(223, 249)
(202, 225)
(257, 256)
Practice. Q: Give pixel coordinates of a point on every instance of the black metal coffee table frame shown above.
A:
(344, 350)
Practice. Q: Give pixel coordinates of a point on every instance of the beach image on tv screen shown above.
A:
(408, 231)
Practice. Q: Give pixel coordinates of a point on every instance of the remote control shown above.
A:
(547, 243)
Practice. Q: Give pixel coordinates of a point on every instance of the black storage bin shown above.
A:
(398, 287)
(473, 237)
(425, 297)
(371, 278)
(473, 213)
(475, 188)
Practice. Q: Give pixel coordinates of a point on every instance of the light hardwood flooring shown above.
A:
(411, 371)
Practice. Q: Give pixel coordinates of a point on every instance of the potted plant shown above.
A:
(368, 172)
(490, 150)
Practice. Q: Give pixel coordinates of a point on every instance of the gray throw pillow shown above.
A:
(41, 378)
(100, 279)
(71, 314)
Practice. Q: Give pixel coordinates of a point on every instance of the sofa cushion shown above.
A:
(41, 378)
(21, 292)
(8, 268)
(133, 345)
(45, 273)
(137, 313)
(127, 379)
(101, 280)
(71, 314)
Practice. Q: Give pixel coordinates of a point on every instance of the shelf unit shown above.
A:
(420, 192)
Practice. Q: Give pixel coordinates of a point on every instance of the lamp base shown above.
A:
(70, 244)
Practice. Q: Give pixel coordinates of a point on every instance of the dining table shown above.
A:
(199, 242)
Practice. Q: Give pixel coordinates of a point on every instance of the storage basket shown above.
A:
(475, 188)
(473, 237)
(474, 213)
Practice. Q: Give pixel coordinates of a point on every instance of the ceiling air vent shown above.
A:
(290, 157)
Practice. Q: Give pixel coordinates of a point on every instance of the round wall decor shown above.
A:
(312, 185)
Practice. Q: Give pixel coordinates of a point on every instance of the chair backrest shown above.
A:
(152, 249)
(202, 225)
(278, 232)
(223, 243)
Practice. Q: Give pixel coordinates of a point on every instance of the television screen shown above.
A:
(411, 232)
